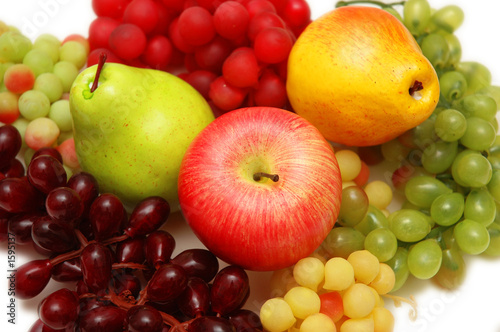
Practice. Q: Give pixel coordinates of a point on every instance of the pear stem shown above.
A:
(417, 86)
(102, 59)
(371, 2)
(258, 176)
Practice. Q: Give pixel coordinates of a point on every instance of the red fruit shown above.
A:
(158, 52)
(241, 68)
(272, 45)
(9, 110)
(271, 91)
(142, 13)
(231, 20)
(99, 31)
(109, 8)
(255, 7)
(201, 80)
(296, 13)
(212, 55)
(196, 26)
(332, 305)
(31, 278)
(127, 41)
(225, 96)
(94, 55)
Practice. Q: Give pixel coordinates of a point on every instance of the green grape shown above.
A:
(416, 15)
(424, 134)
(479, 134)
(61, 114)
(424, 259)
(436, 49)
(399, 264)
(48, 38)
(47, 46)
(342, 241)
(39, 62)
(454, 47)
(448, 239)
(74, 52)
(49, 84)
(451, 274)
(453, 85)
(448, 18)
(373, 219)
(439, 156)
(477, 105)
(494, 123)
(34, 104)
(480, 206)
(422, 190)
(472, 237)
(67, 73)
(478, 76)
(494, 185)
(494, 246)
(447, 209)
(471, 169)
(409, 225)
(354, 206)
(492, 91)
(394, 151)
(450, 125)
(382, 243)
(14, 46)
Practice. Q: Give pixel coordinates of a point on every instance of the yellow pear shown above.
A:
(359, 76)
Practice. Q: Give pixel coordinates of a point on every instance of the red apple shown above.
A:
(257, 221)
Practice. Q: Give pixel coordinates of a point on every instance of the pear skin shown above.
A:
(351, 72)
(131, 133)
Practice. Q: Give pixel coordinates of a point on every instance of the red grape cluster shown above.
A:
(125, 276)
(234, 52)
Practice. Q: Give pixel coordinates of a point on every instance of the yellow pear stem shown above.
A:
(258, 176)
(376, 3)
(102, 59)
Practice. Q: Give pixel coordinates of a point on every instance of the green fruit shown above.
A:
(131, 133)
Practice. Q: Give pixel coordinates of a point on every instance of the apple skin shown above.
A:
(132, 131)
(349, 74)
(260, 225)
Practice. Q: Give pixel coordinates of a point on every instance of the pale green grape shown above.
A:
(478, 76)
(416, 15)
(276, 315)
(409, 225)
(21, 124)
(50, 85)
(479, 135)
(354, 206)
(48, 38)
(382, 243)
(309, 272)
(47, 46)
(365, 264)
(424, 259)
(422, 190)
(34, 104)
(399, 264)
(67, 73)
(450, 125)
(494, 185)
(494, 246)
(448, 18)
(477, 105)
(342, 241)
(439, 156)
(492, 91)
(471, 169)
(452, 271)
(373, 219)
(480, 206)
(454, 47)
(435, 48)
(14, 46)
(471, 236)
(74, 52)
(61, 114)
(453, 85)
(447, 208)
(39, 62)
(359, 301)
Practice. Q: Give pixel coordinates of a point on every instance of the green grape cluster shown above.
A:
(446, 170)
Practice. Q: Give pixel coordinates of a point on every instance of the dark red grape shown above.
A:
(15, 169)
(126, 281)
(143, 318)
(48, 151)
(70, 270)
(211, 324)
(229, 290)
(20, 225)
(52, 235)
(148, 215)
(130, 251)
(158, 248)
(103, 319)
(198, 263)
(17, 195)
(106, 216)
(64, 204)
(96, 261)
(60, 309)
(245, 320)
(4, 228)
(195, 299)
(87, 188)
(46, 173)
(32, 277)
(10, 144)
(167, 283)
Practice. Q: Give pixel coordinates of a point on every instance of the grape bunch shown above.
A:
(446, 171)
(334, 294)
(233, 52)
(121, 265)
(35, 79)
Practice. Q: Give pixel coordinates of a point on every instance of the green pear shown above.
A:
(132, 129)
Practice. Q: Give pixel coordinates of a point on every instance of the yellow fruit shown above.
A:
(351, 74)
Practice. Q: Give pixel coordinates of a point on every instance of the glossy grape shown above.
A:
(382, 243)
(198, 263)
(147, 216)
(471, 236)
(10, 144)
(130, 251)
(46, 173)
(106, 216)
(471, 169)
(103, 319)
(87, 188)
(245, 320)
(32, 277)
(158, 248)
(195, 299)
(422, 190)
(354, 206)
(69, 270)
(60, 309)
(452, 272)
(96, 262)
(229, 289)
(64, 204)
(480, 206)
(399, 264)
(342, 241)
(142, 318)
(409, 225)
(447, 208)
(17, 195)
(211, 323)
(54, 236)
(424, 259)
(167, 283)
(373, 219)
(20, 225)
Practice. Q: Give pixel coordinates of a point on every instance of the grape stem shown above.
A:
(102, 59)
(369, 2)
(412, 302)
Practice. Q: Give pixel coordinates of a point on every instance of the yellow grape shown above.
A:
(358, 325)
(309, 272)
(359, 301)
(349, 164)
(303, 301)
(379, 194)
(276, 315)
(339, 274)
(383, 320)
(379, 301)
(385, 280)
(317, 323)
(365, 265)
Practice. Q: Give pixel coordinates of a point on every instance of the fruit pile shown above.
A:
(233, 52)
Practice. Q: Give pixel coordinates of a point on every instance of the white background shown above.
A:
(474, 306)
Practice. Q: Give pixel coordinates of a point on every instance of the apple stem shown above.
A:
(417, 86)
(102, 59)
(258, 176)
(371, 2)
